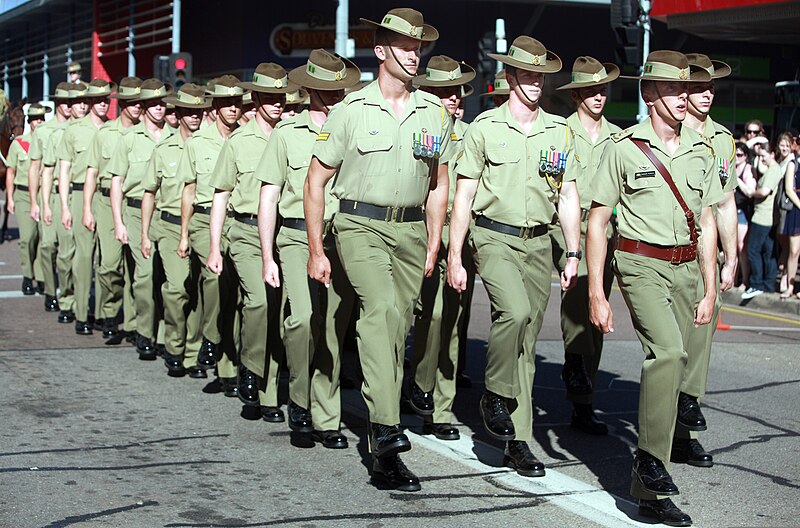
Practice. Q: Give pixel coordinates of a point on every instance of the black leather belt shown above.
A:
(105, 192)
(77, 186)
(135, 202)
(377, 212)
(249, 219)
(171, 218)
(584, 215)
(202, 210)
(506, 229)
(295, 223)
(22, 188)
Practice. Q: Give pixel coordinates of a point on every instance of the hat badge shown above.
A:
(338, 76)
(684, 74)
(197, 100)
(536, 60)
(596, 77)
(278, 83)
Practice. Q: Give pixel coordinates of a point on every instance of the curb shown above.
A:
(766, 302)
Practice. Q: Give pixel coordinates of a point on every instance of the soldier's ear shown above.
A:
(380, 52)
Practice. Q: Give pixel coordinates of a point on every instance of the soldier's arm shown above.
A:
(217, 220)
(187, 204)
(33, 187)
(148, 205)
(63, 192)
(10, 173)
(319, 174)
(89, 188)
(435, 213)
(569, 214)
(47, 186)
(267, 218)
(596, 247)
(466, 188)
(707, 255)
(727, 223)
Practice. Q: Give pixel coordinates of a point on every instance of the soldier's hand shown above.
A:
(569, 277)
(430, 262)
(66, 219)
(271, 273)
(183, 248)
(726, 276)
(121, 233)
(457, 276)
(319, 269)
(35, 212)
(147, 247)
(88, 220)
(704, 311)
(601, 315)
(47, 215)
(10, 206)
(214, 262)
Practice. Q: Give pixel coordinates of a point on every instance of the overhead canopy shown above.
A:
(762, 21)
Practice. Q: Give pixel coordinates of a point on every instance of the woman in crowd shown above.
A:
(791, 228)
(744, 207)
(786, 159)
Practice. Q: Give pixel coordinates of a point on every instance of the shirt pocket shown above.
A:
(298, 168)
(246, 166)
(137, 163)
(695, 179)
(204, 165)
(642, 184)
(374, 157)
(504, 166)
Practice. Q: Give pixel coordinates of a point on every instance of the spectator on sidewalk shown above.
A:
(791, 228)
(785, 157)
(744, 207)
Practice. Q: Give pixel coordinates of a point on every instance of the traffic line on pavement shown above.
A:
(11, 294)
(754, 313)
(10, 277)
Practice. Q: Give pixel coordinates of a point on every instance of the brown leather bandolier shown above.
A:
(673, 254)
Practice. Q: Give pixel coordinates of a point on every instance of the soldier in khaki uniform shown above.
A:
(500, 90)
(504, 147)
(112, 289)
(163, 190)
(234, 182)
(52, 206)
(686, 447)
(441, 310)
(48, 240)
(127, 167)
(656, 260)
(18, 200)
(583, 343)
(316, 318)
(73, 151)
(390, 146)
(195, 169)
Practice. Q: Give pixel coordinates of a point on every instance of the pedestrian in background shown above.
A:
(744, 207)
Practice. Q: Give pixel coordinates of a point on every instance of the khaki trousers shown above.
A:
(83, 260)
(143, 279)
(112, 289)
(28, 236)
(66, 252)
(48, 251)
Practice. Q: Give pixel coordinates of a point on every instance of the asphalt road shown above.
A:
(91, 436)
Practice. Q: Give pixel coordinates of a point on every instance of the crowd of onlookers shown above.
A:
(768, 205)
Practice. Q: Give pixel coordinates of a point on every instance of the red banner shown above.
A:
(663, 8)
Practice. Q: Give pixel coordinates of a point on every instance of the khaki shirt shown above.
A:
(646, 208)
(131, 155)
(763, 209)
(456, 147)
(200, 153)
(19, 158)
(40, 138)
(236, 167)
(285, 164)
(49, 157)
(74, 147)
(374, 150)
(101, 149)
(162, 174)
(724, 154)
(511, 187)
(588, 154)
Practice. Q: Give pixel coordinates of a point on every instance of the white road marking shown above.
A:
(10, 277)
(11, 294)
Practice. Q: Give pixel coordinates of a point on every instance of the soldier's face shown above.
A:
(171, 118)
(134, 110)
(155, 110)
(270, 106)
(79, 109)
(325, 99)
(527, 85)
(229, 109)
(668, 99)
(450, 97)
(35, 123)
(190, 118)
(593, 98)
(100, 106)
(64, 108)
(400, 56)
(701, 97)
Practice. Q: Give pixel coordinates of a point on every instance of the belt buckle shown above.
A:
(525, 232)
(677, 255)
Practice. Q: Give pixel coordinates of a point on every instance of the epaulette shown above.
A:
(619, 136)
(283, 123)
(430, 97)
(352, 97)
(485, 115)
(558, 119)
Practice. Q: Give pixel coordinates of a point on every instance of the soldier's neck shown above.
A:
(318, 115)
(127, 121)
(394, 90)
(696, 122)
(668, 133)
(184, 132)
(154, 129)
(525, 114)
(61, 118)
(265, 124)
(97, 120)
(590, 122)
(224, 128)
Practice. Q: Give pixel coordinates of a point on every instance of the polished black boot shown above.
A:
(248, 387)
(27, 286)
(66, 316)
(110, 328)
(174, 365)
(690, 451)
(419, 400)
(50, 303)
(299, 418)
(390, 472)
(442, 431)
(689, 414)
(650, 475)
(584, 419)
(145, 348)
(230, 387)
(496, 417)
(574, 374)
(207, 356)
(196, 372)
(40, 287)
(272, 414)
(665, 511)
(387, 440)
(518, 456)
(83, 328)
(330, 439)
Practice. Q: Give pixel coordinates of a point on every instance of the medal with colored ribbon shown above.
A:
(723, 168)
(426, 145)
(552, 165)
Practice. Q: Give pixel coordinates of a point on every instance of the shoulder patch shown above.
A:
(619, 136)
(485, 115)
(453, 137)
(323, 136)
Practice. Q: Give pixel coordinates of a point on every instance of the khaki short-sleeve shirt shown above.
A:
(19, 158)
(197, 163)
(130, 158)
(512, 188)
(374, 150)
(646, 208)
(456, 148)
(724, 154)
(162, 174)
(102, 148)
(74, 147)
(236, 167)
(40, 138)
(764, 208)
(50, 157)
(588, 154)
(285, 164)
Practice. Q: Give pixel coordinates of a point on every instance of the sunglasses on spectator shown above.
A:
(740, 154)
(751, 131)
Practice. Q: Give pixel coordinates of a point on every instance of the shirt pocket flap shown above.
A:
(695, 180)
(374, 144)
(204, 165)
(247, 165)
(501, 156)
(298, 160)
(644, 180)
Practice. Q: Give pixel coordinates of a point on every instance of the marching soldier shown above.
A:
(509, 241)
(73, 151)
(685, 447)
(74, 72)
(18, 200)
(195, 169)
(163, 190)
(500, 90)
(390, 146)
(441, 310)
(127, 168)
(114, 288)
(235, 183)
(660, 176)
(48, 240)
(316, 318)
(583, 343)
